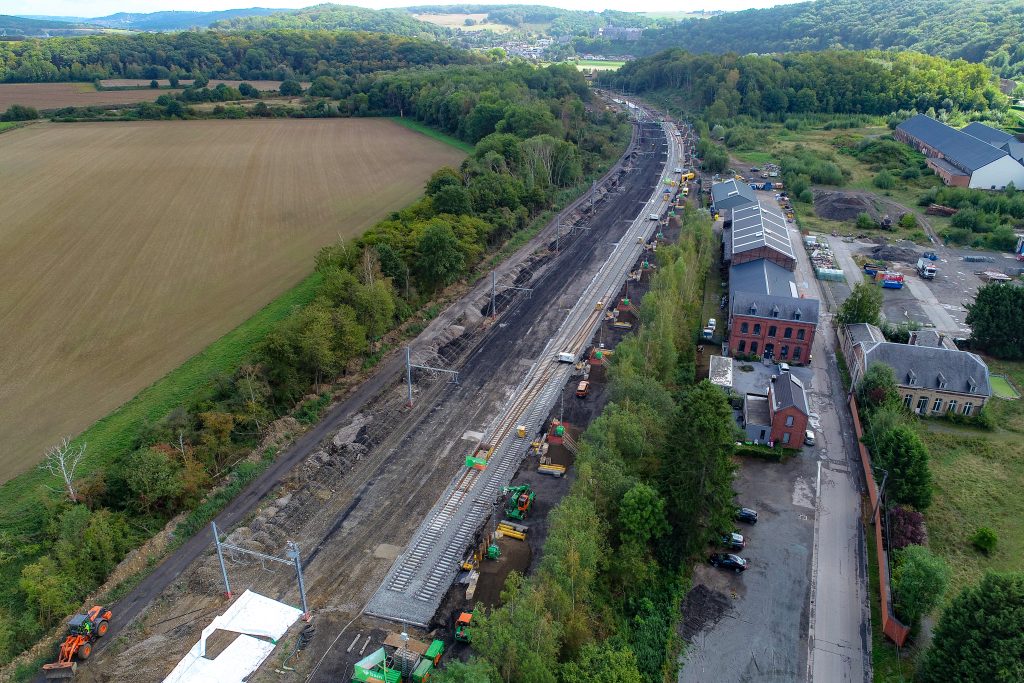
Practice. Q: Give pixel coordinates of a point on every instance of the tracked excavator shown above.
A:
(520, 500)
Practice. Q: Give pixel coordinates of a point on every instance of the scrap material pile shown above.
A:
(822, 259)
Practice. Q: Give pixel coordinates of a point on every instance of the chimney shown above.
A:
(942, 340)
(913, 338)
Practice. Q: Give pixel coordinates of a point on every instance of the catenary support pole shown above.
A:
(408, 372)
(220, 556)
(293, 552)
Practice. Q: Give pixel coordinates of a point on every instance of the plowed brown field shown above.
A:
(125, 248)
(45, 96)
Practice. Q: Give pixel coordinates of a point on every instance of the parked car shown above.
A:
(582, 389)
(809, 437)
(733, 541)
(728, 561)
(746, 515)
(783, 367)
(755, 169)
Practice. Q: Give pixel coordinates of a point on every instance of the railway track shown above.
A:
(420, 577)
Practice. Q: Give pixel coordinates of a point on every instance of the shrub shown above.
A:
(17, 112)
(884, 180)
(919, 582)
(985, 540)
(910, 173)
(807, 197)
(908, 220)
(865, 221)
(906, 527)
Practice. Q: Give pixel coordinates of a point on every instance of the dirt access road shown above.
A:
(355, 499)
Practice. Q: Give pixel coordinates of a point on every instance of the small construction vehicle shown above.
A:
(520, 500)
(83, 631)
(462, 634)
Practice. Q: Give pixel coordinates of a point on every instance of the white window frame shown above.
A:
(937, 406)
(968, 407)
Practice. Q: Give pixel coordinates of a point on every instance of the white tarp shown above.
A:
(260, 622)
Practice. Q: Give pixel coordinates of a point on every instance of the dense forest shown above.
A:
(337, 17)
(654, 475)
(276, 55)
(536, 145)
(840, 82)
(990, 31)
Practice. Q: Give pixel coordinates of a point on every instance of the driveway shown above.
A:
(753, 626)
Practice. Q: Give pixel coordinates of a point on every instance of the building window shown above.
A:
(922, 405)
(757, 329)
(789, 420)
(744, 328)
(785, 351)
(753, 347)
(937, 406)
(800, 334)
(742, 346)
(907, 399)
(796, 353)
(951, 407)
(785, 437)
(772, 330)
(788, 333)
(967, 407)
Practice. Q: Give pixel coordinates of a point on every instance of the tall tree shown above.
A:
(996, 319)
(864, 305)
(901, 452)
(440, 261)
(980, 636)
(919, 582)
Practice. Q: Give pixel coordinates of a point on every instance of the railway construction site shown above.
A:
(380, 498)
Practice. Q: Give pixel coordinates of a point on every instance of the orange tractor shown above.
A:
(83, 631)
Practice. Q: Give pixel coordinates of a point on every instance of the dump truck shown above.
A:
(925, 269)
(462, 634)
(83, 631)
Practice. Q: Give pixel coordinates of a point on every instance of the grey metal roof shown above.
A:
(930, 366)
(932, 338)
(1014, 148)
(759, 225)
(782, 308)
(755, 410)
(947, 167)
(864, 332)
(964, 151)
(992, 136)
(730, 194)
(788, 392)
(762, 276)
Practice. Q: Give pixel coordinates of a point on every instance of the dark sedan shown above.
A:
(728, 561)
(746, 515)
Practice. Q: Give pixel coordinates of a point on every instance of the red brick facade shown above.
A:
(754, 335)
(788, 427)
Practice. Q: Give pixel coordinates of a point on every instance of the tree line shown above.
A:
(654, 477)
(832, 82)
(396, 22)
(257, 55)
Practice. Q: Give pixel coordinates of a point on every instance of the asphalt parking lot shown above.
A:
(741, 627)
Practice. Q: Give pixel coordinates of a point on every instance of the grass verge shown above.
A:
(431, 133)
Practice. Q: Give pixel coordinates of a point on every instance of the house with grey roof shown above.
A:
(780, 415)
(730, 194)
(960, 158)
(933, 376)
(759, 231)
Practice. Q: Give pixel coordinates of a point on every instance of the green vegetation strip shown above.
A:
(1002, 388)
(430, 132)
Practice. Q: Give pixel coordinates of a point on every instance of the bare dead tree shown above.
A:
(62, 461)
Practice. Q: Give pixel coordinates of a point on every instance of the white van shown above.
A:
(809, 437)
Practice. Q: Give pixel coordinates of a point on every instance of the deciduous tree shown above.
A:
(864, 305)
(919, 581)
(996, 319)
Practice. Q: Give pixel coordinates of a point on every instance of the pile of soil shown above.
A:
(902, 251)
(841, 206)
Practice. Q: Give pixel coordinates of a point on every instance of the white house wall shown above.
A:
(998, 174)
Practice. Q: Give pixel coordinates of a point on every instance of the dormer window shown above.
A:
(972, 386)
(942, 381)
(775, 311)
(796, 314)
(753, 309)
(911, 378)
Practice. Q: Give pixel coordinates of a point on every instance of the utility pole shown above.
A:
(293, 553)
(494, 306)
(408, 372)
(220, 556)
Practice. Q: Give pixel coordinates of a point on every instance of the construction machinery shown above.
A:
(83, 631)
(520, 500)
(462, 634)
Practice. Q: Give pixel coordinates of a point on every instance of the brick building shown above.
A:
(779, 416)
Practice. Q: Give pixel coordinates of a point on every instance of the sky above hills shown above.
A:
(99, 8)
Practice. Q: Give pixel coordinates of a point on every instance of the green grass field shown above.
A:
(430, 132)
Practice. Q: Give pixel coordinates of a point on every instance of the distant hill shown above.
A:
(337, 17)
(990, 31)
(24, 26)
(175, 21)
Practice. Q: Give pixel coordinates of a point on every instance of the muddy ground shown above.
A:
(353, 504)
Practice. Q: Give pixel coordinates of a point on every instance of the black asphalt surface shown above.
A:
(619, 209)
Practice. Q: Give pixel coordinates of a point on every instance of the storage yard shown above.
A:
(339, 503)
(143, 261)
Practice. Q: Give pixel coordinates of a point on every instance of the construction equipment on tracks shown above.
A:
(83, 631)
(520, 500)
(462, 634)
